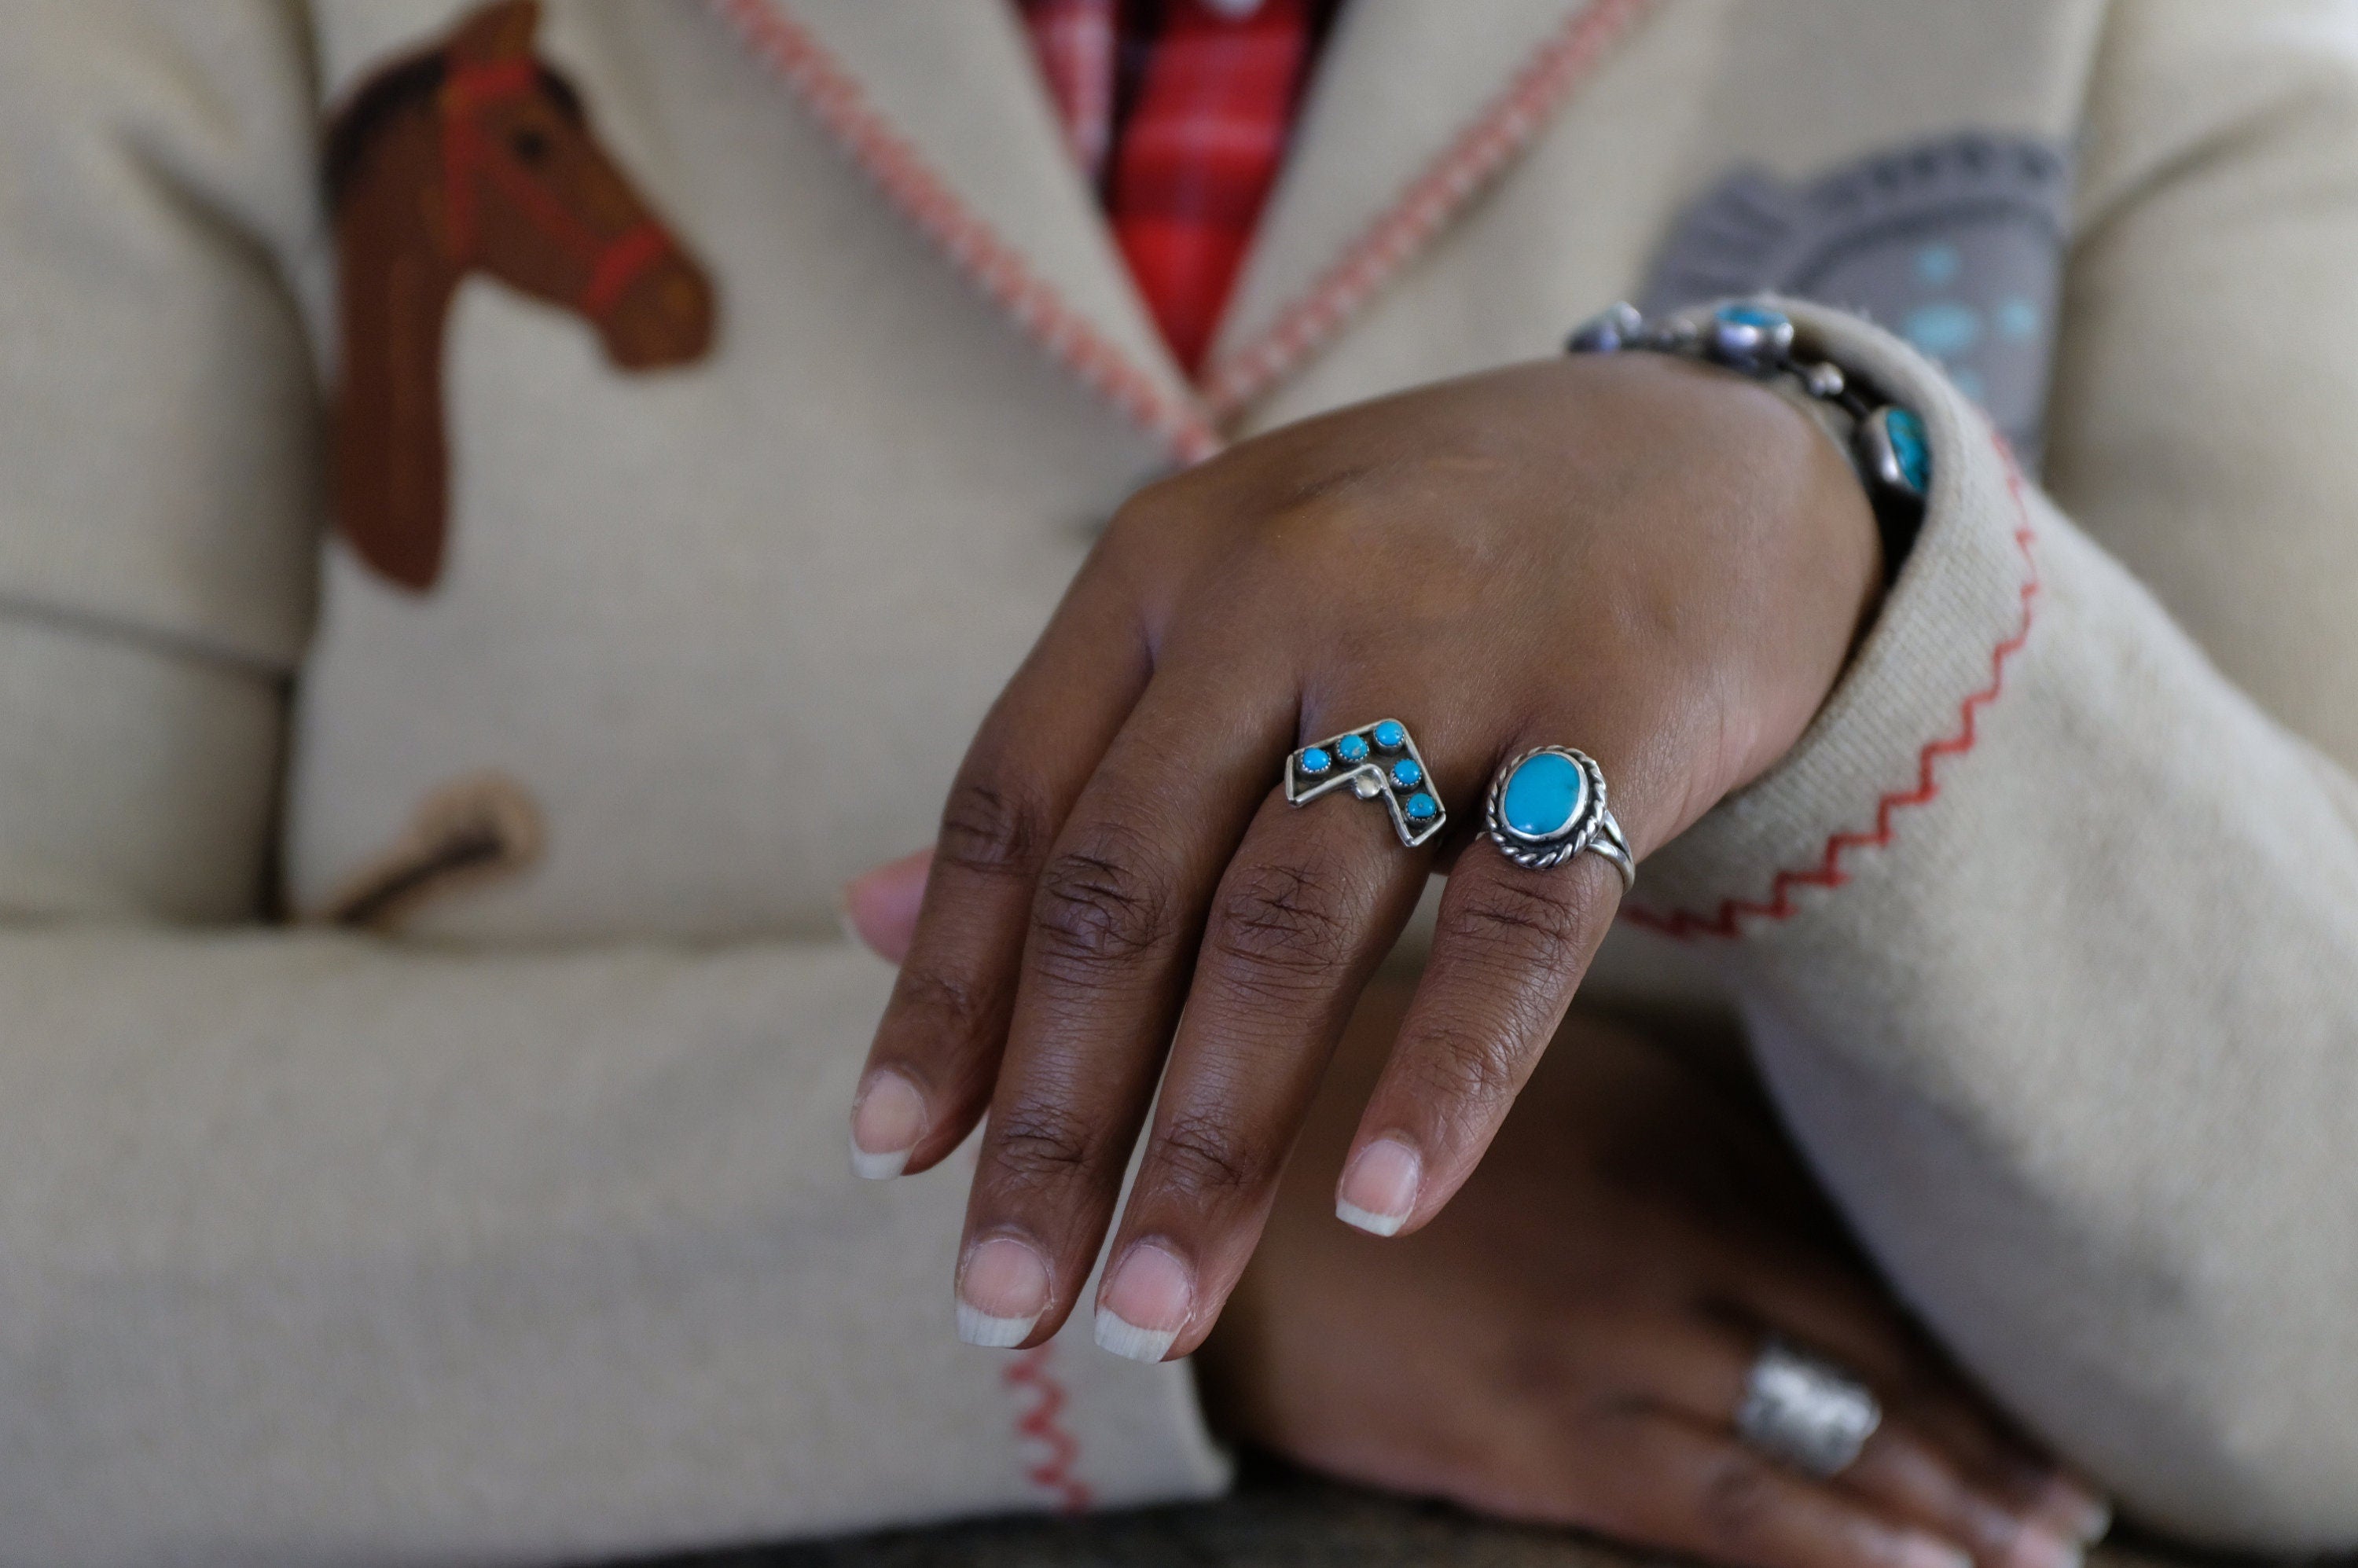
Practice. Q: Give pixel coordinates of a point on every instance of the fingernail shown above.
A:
(1145, 1304)
(2036, 1546)
(1002, 1290)
(1379, 1188)
(1929, 1552)
(887, 1120)
(2077, 1511)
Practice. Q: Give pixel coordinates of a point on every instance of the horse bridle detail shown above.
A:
(613, 263)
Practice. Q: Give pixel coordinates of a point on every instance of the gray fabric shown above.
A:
(1956, 244)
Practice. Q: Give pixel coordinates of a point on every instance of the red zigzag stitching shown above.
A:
(1828, 872)
(1054, 1471)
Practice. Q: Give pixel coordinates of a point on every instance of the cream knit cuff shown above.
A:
(1956, 616)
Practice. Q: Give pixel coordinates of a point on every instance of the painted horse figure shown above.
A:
(475, 156)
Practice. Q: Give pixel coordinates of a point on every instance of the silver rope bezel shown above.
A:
(1580, 834)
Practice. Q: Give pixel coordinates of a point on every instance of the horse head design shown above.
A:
(475, 156)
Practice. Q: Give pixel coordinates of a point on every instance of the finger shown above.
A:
(2006, 1465)
(936, 1053)
(1912, 1478)
(1305, 911)
(1698, 1369)
(1112, 934)
(1691, 1487)
(879, 905)
(1509, 950)
(1853, 1322)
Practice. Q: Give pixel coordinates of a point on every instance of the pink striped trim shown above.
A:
(889, 158)
(1460, 170)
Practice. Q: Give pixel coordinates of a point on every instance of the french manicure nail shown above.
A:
(2077, 1511)
(2036, 1546)
(1145, 1304)
(887, 1120)
(1917, 1550)
(1378, 1191)
(1001, 1291)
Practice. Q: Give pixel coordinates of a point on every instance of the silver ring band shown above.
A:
(1806, 1412)
(1376, 762)
(1548, 805)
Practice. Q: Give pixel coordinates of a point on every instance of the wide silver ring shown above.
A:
(1547, 804)
(1376, 762)
(1806, 1412)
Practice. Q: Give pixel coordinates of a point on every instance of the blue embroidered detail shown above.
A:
(1944, 329)
(1938, 265)
(1956, 241)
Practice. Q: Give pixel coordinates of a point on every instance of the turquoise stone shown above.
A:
(1351, 749)
(1316, 760)
(1421, 808)
(1759, 316)
(1543, 796)
(1406, 774)
(1391, 736)
(1910, 446)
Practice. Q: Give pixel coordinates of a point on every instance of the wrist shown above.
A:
(1884, 442)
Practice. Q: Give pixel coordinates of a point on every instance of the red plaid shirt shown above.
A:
(1179, 112)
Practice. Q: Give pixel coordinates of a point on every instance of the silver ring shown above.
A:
(1805, 1412)
(1378, 762)
(1548, 805)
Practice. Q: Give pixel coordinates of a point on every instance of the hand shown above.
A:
(1569, 1343)
(1661, 564)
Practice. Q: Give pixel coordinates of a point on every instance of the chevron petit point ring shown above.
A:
(1379, 762)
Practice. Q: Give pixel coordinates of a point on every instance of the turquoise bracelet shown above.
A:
(1888, 445)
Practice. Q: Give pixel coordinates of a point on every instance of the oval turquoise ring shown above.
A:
(1548, 805)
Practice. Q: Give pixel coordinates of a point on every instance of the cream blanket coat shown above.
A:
(523, 1231)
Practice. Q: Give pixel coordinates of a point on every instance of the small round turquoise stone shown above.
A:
(1742, 315)
(1391, 736)
(1406, 774)
(1351, 749)
(1316, 760)
(1422, 807)
(1543, 796)
(1910, 446)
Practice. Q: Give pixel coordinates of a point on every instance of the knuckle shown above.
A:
(1282, 920)
(1472, 1069)
(953, 1005)
(1144, 527)
(1151, 504)
(1097, 909)
(1738, 1499)
(1202, 1156)
(1039, 1143)
(993, 827)
(1523, 926)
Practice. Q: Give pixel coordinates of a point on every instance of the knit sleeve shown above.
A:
(2048, 929)
(318, 1246)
